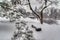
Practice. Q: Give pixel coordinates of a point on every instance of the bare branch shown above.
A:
(33, 10)
(41, 12)
(46, 7)
(45, 2)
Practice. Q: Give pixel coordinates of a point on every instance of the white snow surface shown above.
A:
(49, 32)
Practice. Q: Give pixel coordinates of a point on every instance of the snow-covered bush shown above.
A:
(14, 12)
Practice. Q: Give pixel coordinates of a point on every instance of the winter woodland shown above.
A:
(30, 19)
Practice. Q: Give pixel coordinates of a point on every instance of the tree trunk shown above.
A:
(41, 19)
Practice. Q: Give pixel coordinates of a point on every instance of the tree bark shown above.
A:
(41, 19)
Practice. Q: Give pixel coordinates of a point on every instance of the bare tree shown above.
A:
(40, 15)
(41, 12)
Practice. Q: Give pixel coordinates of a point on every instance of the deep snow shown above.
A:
(49, 31)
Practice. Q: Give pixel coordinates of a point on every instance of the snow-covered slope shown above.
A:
(49, 32)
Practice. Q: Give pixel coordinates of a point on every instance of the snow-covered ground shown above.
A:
(6, 31)
(49, 31)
